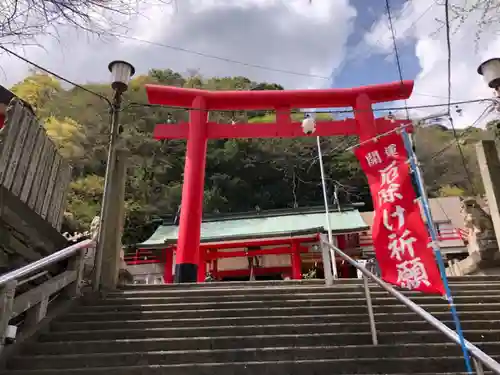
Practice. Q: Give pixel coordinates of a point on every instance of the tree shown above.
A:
(84, 198)
(485, 14)
(22, 21)
(494, 128)
(67, 135)
(241, 174)
(37, 90)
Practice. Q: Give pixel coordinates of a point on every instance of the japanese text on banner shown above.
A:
(399, 233)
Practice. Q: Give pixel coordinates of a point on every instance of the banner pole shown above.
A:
(435, 246)
(327, 211)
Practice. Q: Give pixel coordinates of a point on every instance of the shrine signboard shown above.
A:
(400, 236)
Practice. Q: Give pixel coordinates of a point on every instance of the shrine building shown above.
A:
(263, 245)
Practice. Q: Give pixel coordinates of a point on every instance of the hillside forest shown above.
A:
(241, 175)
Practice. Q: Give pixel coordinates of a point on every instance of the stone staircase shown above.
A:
(260, 328)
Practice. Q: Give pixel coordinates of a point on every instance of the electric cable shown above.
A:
(32, 63)
(220, 58)
(449, 59)
(396, 52)
(465, 132)
(341, 111)
(132, 104)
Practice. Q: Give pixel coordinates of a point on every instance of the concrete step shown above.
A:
(412, 365)
(146, 321)
(260, 329)
(317, 293)
(224, 289)
(239, 284)
(279, 328)
(290, 283)
(238, 355)
(166, 311)
(159, 304)
(354, 337)
(144, 344)
(263, 329)
(303, 300)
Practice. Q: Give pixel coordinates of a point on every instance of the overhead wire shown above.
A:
(464, 134)
(133, 104)
(32, 63)
(207, 55)
(396, 52)
(359, 51)
(220, 58)
(448, 48)
(341, 111)
(449, 79)
(466, 131)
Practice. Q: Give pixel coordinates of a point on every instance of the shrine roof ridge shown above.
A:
(225, 216)
(257, 226)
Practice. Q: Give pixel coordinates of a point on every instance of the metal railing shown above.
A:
(35, 301)
(479, 357)
(447, 236)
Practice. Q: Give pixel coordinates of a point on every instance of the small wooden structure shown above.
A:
(33, 184)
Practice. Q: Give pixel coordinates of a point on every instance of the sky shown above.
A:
(296, 43)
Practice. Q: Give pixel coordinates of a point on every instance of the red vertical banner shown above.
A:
(400, 235)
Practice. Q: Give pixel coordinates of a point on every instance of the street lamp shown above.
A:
(490, 70)
(121, 72)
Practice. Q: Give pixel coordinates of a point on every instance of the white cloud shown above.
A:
(288, 35)
(417, 23)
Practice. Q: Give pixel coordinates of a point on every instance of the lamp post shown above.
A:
(490, 70)
(121, 72)
(308, 127)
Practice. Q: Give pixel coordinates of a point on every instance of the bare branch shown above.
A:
(22, 21)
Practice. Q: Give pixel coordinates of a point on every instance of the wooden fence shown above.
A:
(31, 167)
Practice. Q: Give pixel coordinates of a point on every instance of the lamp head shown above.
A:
(490, 70)
(121, 72)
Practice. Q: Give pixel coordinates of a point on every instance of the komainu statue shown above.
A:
(484, 256)
(89, 257)
(481, 233)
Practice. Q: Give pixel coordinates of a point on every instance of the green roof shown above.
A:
(240, 228)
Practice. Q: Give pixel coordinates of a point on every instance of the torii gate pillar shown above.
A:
(198, 131)
(188, 243)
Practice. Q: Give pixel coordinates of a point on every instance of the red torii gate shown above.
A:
(199, 130)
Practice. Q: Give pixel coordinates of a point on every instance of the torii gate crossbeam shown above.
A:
(199, 130)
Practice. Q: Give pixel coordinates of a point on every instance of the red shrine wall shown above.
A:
(276, 256)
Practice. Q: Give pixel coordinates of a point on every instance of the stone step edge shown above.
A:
(44, 372)
(248, 350)
(358, 285)
(409, 315)
(110, 307)
(304, 281)
(292, 298)
(253, 326)
(250, 363)
(358, 292)
(239, 337)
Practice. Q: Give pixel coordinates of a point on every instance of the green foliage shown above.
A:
(84, 200)
(451, 191)
(37, 89)
(442, 162)
(241, 174)
(494, 128)
(67, 135)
